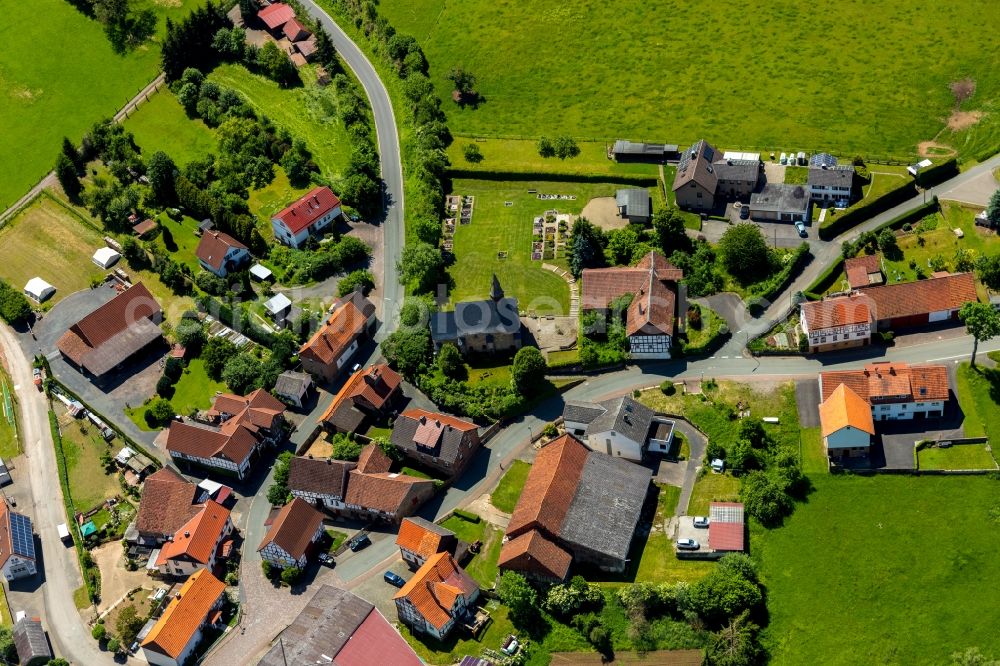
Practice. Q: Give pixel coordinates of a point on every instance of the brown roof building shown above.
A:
(196, 543)
(863, 271)
(436, 597)
(442, 442)
(323, 483)
(296, 527)
(705, 178)
(578, 505)
(168, 502)
(370, 391)
(894, 390)
(650, 320)
(330, 349)
(220, 253)
(113, 333)
(936, 299)
(374, 492)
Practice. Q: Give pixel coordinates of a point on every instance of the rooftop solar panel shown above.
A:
(22, 540)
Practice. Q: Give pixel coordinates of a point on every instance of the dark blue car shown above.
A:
(394, 579)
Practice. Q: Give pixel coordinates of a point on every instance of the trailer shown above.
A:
(63, 531)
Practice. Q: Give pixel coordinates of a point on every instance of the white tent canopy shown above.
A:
(38, 289)
(106, 257)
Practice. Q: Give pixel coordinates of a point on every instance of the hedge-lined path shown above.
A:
(574, 289)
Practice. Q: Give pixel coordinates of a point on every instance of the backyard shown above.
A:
(194, 391)
(963, 456)
(162, 124)
(509, 489)
(711, 487)
(483, 565)
(178, 239)
(83, 446)
(900, 572)
(534, 84)
(498, 228)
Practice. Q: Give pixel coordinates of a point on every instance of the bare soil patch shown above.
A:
(116, 580)
(935, 149)
(603, 211)
(960, 120)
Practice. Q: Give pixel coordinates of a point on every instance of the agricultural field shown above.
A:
(46, 240)
(49, 93)
(162, 124)
(497, 228)
(900, 572)
(551, 67)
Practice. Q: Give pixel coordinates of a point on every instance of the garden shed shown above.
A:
(106, 257)
(38, 289)
(278, 305)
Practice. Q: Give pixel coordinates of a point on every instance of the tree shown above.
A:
(190, 334)
(527, 373)
(352, 281)
(162, 172)
(982, 322)
(74, 155)
(670, 232)
(764, 499)
(722, 595)
(472, 153)
(743, 456)
(14, 307)
(8, 651)
(450, 361)
(216, 354)
(989, 271)
(68, 178)
(345, 448)
(520, 597)
(745, 253)
(248, 9)
(408, 350)
(58, 661)
(114, 644)
(242, 373)
(290, 575)
(621, 245)
(752, 430)
(565, 146)
(887, 242)
(159, 412)
(420, 266)
(128, 624)
(276, 65)
(465, 86)
(99, 632)
(546, 148)
(736, 644)
(993, 210)
(586, 248)
(277, 494)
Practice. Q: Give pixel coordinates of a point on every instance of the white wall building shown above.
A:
(309, 216)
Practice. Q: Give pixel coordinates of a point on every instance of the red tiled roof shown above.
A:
(185, 614)
(550, 487)
(293, 528)
(122, 312)
(835, 312)
(196, 539)
(725, 527)
(311, 207)
(603, 285)
(859, 268)
(375, 636)
(419, 539)
(937, 294)
(652, 309)
(144, 227)
(532, 553)
(890, 382)
(330, 342)
(276, 15)
(295, 30)
(435, 587)
(373, 386)
(205, 442)
(167, 503)
(260, 409)
(382, 491)
(373, 460)
(214, 245)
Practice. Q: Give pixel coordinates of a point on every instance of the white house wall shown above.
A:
(615, 444)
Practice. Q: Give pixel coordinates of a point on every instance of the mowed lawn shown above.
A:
(884, 570)
(162, 124)
(521, 155)
(10, 444)
(738, 75)
(47, 241)
(83, 446)
(308, 112)
(498, 228)
(508, 491)
(58, 76)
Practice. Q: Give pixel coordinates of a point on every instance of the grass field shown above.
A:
(48, 93)
(509, 489)
(47, 241)
(977, 388)
(83, 446)
(307, 112)
(10, 444)
(893, 566)
(965, 456)
(193, 391)
(496, 227)
(162, 124)
(728, 71)
(710, 488)
(814, 460)
(521, 156)
(178, 239)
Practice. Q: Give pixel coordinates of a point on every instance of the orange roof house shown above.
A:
(836, 312)
(883, 383)
(196, 544)
(374, 492)
(328, 351)
(845, 409)
(419, 539)
(175, 635)
(436, 596)
(369, 391)
(297, 526)
(938, 298)
(863, 271)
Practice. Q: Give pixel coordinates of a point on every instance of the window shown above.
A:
(835, 336)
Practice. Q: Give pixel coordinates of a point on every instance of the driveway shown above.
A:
(778, 234)
(807, 399)
(976, 191)
(897, 437)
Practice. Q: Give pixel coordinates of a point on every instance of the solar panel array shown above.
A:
(21, 537)
(726, 513)
(822, 159)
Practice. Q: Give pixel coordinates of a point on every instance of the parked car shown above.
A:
(326, 559)
(744, 212)
(802, 229)
(359, 542)
(700, 521)
(37, 377)
(394, 579)
(687, 544)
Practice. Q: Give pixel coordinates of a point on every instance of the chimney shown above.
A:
(187, 535)
(329, 461)
(423, 420)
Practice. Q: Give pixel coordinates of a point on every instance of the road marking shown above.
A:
(947, 358)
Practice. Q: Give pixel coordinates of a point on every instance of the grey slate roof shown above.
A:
(695, 165)
(448, 446)
(581, 412)
(637, 202)
(323, 477)
(323, 627)
(607, 505)
(625, 147)
(780, 198)
(431, 527)
(737, 170)
(291, 383)
(626, 416)
(831, 176)
(31, 642)
(472, 317)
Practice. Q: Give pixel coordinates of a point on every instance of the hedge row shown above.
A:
(780, 282)
(90, 573)
(938, 173)
(542, 176)
(825, 280)
(834, 226)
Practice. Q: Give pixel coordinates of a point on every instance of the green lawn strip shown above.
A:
(194, 391)
(5, 616)
(509, 489)
(10, 442)
(456, 646)
(80, 598)
(712, 488)
(336, 538)
(521, 156)
(410, 471)
(531, 82)
(814, 460)
(307, 112)
(178, 239)
(82, 447)
(46, 94)
(483, 565)
(162, 124)
(978, 389)
(498, 228)
(892, 565)
(268, 200)
(962, 456)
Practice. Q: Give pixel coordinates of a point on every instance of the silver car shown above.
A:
(700, 521)
(687, 544)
